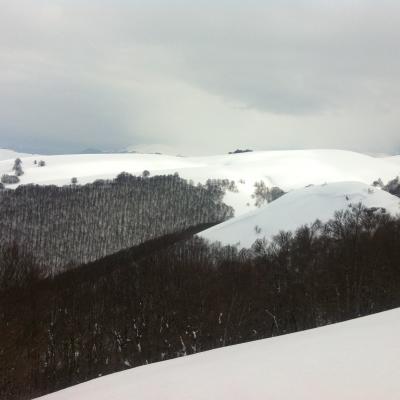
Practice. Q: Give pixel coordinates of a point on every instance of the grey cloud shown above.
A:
(265, 74)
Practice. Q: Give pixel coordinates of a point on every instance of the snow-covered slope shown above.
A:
(286, 169)
(394, 159)
(299, 207)
(354, 360)
(6, 154)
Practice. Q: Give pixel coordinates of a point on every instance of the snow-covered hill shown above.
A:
(286, 169)
(6, 154)
(354, 360)
(394, 159)
(299, 207)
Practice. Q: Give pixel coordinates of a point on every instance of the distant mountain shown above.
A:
(91, 151)
(239, 151)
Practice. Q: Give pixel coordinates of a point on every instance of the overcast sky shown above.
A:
(199, 77)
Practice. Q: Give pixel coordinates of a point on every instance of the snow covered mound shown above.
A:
(6, 154)
(354, 360)
(287, 169)
(299, 207)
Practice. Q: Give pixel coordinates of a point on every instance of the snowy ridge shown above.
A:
(353, 360)
(299, 207)
(289, 170)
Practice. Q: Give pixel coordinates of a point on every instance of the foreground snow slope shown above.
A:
(354, 360)
(299, 207)
(288, 169)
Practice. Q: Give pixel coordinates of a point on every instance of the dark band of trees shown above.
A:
(76, 224)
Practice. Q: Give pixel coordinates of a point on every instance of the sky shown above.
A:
(199, 77)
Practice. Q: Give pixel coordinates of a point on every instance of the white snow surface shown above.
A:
(6, 154)
(394, 159)
(353, 360)
(297, 208)
(289, 170)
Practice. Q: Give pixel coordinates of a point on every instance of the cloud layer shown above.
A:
(199, 78)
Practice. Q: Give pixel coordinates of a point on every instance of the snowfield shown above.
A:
(289, 170)
(299, 207)
(353, 360)
(394, 159)
(6, 154)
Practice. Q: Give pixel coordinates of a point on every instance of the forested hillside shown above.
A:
(75, 224)
(169, 298)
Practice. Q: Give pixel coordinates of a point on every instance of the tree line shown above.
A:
(178, 295)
